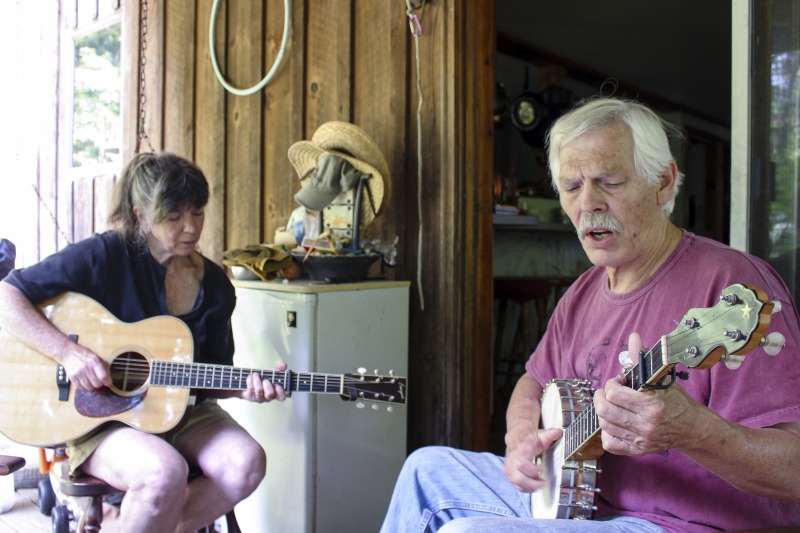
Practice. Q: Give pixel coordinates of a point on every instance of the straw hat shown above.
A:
(351, 143)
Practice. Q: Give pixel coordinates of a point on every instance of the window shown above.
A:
(97, 89)
(90, 124)
(774, 171)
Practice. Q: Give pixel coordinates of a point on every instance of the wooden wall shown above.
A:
(354, 61)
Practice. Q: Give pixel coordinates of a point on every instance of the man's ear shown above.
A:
(666, 185)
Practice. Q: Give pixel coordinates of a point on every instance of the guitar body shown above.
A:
(570, 489)
(30, 409)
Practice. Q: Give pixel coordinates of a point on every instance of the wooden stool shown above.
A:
(83, 485)
(523, 291)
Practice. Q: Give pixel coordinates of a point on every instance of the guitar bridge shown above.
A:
(62, 381)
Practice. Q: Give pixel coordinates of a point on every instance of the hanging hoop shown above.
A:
(260, 85)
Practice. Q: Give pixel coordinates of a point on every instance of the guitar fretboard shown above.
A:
(205, 376)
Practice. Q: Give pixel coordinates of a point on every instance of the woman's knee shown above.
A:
(163, 474)
(241, 471)
(253, 461)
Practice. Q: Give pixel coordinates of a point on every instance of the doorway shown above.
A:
(674, 55)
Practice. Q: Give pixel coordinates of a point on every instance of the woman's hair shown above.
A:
(157, 184)
(651, 150)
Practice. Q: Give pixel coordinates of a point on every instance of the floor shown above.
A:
(25, 517)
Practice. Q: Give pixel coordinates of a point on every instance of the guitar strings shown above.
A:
(135, 368)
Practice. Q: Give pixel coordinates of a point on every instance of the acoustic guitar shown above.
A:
(704, 337)
(152, 373)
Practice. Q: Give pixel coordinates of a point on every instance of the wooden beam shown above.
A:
(244, 127)
(179, 65)
(210, 138)
(283, 115)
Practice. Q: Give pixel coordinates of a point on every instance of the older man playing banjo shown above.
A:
(704, 449)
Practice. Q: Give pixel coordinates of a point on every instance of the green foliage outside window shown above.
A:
(96, 130)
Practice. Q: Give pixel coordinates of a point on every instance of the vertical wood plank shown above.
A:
(438, 275)
(329, 68)
(103, 188)
(62, 207)
(477, 157)
(130, 77)
(244, 136)
(154, 76)
(210, 127)
(83, 203)
(86, 13)
(283, 115)
(106, 8)
(379, 86)
(50, 32)
(69, 12)
(179, 64)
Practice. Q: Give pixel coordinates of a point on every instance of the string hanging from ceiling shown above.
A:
(415, 26)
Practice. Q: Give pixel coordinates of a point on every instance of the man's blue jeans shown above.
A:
(439, 485)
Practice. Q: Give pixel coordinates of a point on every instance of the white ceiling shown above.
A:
(679, 50)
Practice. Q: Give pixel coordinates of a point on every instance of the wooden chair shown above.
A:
(525, 292)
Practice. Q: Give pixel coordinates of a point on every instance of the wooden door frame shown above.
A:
(478, 157)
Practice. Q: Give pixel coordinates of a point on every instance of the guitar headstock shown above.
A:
(376, 388)
(725, 332)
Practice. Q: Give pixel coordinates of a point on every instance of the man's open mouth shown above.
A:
(599, 234)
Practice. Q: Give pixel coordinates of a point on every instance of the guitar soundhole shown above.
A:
(130, 371)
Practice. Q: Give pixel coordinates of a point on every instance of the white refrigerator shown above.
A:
(331, 464)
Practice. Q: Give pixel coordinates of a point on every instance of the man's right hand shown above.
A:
(523, 445)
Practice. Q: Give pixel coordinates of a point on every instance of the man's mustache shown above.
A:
(598, 221)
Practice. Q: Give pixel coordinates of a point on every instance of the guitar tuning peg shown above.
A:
(390, 409)
(361, 370)
(360, 404)
(773, 343)
(375, 407)
(777, 306)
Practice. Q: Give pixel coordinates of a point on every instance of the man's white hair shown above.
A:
(651, 151)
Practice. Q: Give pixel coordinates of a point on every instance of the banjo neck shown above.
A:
(582, 437)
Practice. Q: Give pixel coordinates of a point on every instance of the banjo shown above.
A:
(704, 337)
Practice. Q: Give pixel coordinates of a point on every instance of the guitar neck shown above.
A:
(223, 377)
(585, 430)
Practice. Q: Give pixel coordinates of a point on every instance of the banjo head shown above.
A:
(569, 490)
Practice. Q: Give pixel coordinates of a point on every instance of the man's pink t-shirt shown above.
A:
(590, 327)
